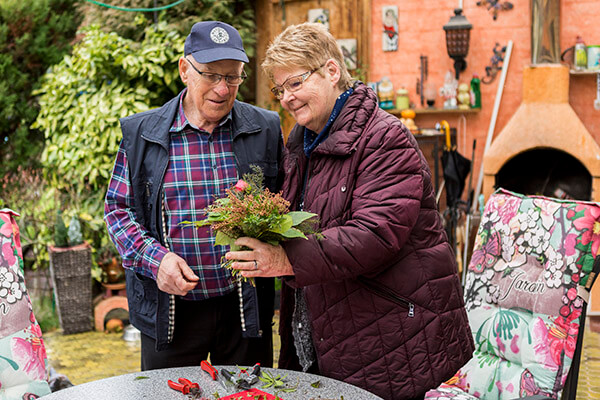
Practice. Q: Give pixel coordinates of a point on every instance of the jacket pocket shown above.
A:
(142, 294)
(379, 289)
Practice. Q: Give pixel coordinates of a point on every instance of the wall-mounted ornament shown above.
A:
(494, 6)
(496, 64)
(390, 28)
(319, 15)
(348, 47)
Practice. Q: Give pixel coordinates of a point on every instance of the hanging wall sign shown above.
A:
(390, 28)
(349, 52)
(319, 15)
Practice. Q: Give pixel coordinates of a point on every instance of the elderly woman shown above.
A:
(375, 301)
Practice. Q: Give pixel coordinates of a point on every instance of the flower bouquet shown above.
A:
(250, 210)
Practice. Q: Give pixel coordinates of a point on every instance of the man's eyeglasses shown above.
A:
(293, 83)
(214, 79)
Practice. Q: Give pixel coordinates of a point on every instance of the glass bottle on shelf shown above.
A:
(475, 92)
(580, 54)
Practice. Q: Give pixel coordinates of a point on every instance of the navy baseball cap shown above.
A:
(213, 41)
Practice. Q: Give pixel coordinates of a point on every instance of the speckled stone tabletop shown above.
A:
(153, 385)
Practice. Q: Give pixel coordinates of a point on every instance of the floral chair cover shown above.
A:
(22, 353)
(527, 284)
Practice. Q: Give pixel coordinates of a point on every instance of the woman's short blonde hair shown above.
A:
(307, 45)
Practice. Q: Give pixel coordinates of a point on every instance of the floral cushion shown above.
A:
(22, 353)
(524, 295)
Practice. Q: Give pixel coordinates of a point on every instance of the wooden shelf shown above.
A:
(419, 111)
(584, 72)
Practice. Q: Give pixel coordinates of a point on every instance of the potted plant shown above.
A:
(70, 269)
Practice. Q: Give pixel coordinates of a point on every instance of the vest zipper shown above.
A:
(171, 328)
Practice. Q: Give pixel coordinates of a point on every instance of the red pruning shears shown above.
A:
(186, 387)
(212, 371)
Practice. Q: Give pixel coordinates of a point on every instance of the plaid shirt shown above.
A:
(201, 166)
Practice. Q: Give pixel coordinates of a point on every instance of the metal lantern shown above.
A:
(458, 31)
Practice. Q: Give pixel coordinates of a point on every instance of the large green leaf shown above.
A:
(293, 233)
(300, 216)
(222, 239)
(283, 224)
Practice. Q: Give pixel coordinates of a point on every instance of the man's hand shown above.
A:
(175, 276)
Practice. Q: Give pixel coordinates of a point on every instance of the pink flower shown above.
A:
(240, 185)
(514, 346)
(29, 354)
(6, 228)
(590, 225)
(8, 253)
(570, 242)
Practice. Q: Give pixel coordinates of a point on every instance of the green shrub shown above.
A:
(34, 34)
(81, 100)
(45, 313)
(181, 17)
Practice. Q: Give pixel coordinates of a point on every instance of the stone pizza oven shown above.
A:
(544, 148)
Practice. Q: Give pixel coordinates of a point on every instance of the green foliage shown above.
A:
(82, 98)
(26, 191)
(180, 18)
(252, 211)
(34, 34)
(238, 13)
(45, 313)
(64, 237)
(61, 237)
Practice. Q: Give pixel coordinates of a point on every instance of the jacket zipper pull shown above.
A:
(411, 310)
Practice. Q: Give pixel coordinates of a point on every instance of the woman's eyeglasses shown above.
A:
(293, 83)
(214, 79)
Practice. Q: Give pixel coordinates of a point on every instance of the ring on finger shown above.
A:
(255, 265)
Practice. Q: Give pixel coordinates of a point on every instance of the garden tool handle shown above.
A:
(180, 387)
(205, 365)
(192, 385)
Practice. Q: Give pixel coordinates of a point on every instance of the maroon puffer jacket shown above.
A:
(371, 187)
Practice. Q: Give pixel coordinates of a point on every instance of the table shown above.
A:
(154, 386)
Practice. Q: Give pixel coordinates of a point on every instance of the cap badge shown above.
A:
(219, 35)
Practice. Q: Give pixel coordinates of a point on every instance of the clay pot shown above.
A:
(113, 270)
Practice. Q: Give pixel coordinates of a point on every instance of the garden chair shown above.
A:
(22, 353)
(526, 292)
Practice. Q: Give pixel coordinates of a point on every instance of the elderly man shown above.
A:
(173, 162)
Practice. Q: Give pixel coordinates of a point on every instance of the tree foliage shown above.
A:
(181, 17)
(238, 13)
(81, 100)
(33, 35)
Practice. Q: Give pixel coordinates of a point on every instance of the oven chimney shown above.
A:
(545, 31)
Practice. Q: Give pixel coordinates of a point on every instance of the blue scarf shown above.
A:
(311, 139)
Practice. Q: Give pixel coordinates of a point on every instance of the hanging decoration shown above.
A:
(496, 64)
(349, 52)
(319, 15)
(390, 28)
(494, 6)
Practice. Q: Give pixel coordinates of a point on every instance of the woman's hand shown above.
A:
(263, 260)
